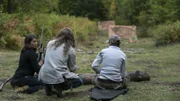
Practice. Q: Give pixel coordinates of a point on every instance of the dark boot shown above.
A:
(59, 94)
(48, 89)
(58, 90)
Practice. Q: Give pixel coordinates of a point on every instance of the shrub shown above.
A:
(14, 41)
(7, 24)
(142, 32)
(14, 27)
(166, 34)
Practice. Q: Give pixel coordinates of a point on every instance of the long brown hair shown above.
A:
(65, 36)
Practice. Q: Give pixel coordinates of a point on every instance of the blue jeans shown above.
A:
(69, 83)
(30, 81)
(76, 82)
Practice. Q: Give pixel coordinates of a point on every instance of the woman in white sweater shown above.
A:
(60, 64)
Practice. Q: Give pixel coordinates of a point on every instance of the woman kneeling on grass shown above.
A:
(28, 66)
(60, 64)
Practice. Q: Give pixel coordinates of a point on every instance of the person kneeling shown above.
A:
(60, 64)
(24, 76)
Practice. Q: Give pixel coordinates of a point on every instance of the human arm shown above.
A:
(96, 63)
(123, 70)
(34, 63)
(72, 61)
(41, 62)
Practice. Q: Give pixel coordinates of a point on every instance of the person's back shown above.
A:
(60, 64)
(56, 64)
(112, 64)
(111, 73)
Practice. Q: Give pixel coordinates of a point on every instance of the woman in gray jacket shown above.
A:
(60, 64)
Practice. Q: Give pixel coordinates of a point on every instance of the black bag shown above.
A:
(98, 94)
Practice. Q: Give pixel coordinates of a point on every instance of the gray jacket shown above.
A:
(57, 65)
(113, 62)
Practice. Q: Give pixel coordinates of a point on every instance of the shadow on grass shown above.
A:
(77, 94)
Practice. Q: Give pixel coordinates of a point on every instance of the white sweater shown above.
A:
(113, 62)
(57, 65)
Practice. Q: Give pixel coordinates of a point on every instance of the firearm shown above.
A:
(3, 82)
(40, 49)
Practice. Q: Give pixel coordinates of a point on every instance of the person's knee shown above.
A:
(81, 81)
(76, 83)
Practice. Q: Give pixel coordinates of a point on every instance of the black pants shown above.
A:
(30, 81)
(68, 84)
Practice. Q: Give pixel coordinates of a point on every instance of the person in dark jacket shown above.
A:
(28, 67)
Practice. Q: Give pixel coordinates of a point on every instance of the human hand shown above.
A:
(41, 62)
(41, 50)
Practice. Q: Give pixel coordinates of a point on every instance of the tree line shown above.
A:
(142, 13)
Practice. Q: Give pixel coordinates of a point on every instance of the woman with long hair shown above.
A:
(28, 66)
(60, 64)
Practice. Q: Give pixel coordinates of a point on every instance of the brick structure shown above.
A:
(104, 25)
(125, 32)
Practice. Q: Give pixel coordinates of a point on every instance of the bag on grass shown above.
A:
(98, 94)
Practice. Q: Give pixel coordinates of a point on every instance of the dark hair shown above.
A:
(114, 40)
(27, 42)
(65, 36)
(117, 44)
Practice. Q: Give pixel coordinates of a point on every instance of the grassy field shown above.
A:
(163, 64)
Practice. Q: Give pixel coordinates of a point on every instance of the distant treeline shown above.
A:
(142, 13)
(147, 15)
(134, 12)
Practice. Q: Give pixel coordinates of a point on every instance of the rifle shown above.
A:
(3, 82)
(40, 49)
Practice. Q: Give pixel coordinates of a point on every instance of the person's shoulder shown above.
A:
(105, 49)
(123, 53)
(50, 43)
(29, 52)
(71, 50)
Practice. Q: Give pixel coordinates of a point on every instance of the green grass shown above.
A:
(161, 62)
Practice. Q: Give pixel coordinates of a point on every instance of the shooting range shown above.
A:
(149, 32)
